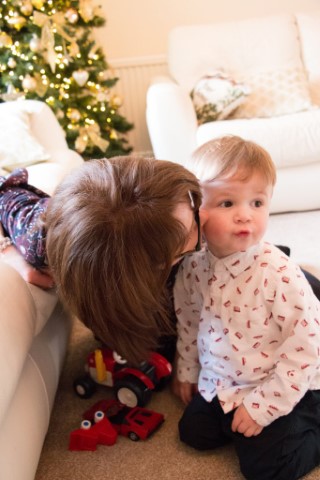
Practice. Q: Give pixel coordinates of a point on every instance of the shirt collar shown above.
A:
(237, 262)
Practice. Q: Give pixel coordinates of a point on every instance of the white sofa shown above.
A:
(264, 48)
(34, 328)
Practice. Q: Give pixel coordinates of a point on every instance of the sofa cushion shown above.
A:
(215, 96)
(301, 132)
(18, 146)
(308, 24)
(277, 92)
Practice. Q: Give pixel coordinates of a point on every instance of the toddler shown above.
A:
(248, 325)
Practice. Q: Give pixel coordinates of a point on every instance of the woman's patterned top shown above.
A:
(21, 213)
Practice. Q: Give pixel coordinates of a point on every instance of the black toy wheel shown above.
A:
(131, 391)
(133, 436)
(84, 386)
(162, 383)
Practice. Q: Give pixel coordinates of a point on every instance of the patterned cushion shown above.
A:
(273, 93)
(216, 96)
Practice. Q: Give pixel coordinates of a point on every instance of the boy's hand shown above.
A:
(244, 423)
(183, 390)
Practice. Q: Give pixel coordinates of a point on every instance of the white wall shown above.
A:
(140, 27)
(136, 31)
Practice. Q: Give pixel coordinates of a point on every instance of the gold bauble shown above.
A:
(59, 114)
(29, 83)
(35, 43)
(74, 115)
(72, 16)
(37, 4)
(116, 101)
(12, 63)
(26, 8)
(17, 22)
(5, 40)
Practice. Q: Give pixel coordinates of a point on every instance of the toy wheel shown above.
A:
(162, 383)
(133, 436)
(132, 392)
(84, 387)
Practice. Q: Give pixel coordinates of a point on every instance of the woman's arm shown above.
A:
(21, 209)
(12, 257)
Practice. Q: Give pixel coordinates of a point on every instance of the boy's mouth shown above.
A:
(243, 233)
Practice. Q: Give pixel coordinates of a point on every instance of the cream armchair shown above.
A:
(275, 49)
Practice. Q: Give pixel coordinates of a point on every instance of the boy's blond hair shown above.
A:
(111, 240)
(231, 156)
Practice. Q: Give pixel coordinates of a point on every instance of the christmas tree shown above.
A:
(47, 52)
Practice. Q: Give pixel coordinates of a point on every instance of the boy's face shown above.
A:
(237, 213)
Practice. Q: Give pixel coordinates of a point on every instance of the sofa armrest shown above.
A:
(48, 175)
(171, 121)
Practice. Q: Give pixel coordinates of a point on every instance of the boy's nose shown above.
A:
(242, 215)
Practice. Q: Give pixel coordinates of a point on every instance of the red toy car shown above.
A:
(133, 386)
(136, 423)
(90, 435)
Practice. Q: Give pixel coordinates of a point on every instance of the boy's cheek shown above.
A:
(204, 216)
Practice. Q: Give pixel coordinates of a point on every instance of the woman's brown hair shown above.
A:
(111, 239)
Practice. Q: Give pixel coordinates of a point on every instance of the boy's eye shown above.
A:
(226, 204)
(257, 203)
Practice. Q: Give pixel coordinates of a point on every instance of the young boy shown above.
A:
(248, 325)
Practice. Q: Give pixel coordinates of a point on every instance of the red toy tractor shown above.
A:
(132, 385)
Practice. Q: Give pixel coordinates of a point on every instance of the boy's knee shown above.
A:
(189, 434)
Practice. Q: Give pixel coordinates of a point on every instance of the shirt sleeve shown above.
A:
(188, 310)
(296, 311)
(21, 210)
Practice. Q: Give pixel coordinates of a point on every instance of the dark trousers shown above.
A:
(287, 449)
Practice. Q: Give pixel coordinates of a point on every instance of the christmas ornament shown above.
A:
(72, 16)
(35, 44)
(29, 83)
(73, 114)
(81, 77)
(5, 40)
(41, 87)
(16, 22)
(26, 8)
(90, 133)
(86, 10)
(103, 96)
(116, 101)
(50, 25)
(59, 114)
(37, 4)
(12, 63)
(113, 134)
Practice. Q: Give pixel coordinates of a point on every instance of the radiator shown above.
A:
(134, 76)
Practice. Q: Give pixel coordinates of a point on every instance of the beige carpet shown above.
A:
(162, 457)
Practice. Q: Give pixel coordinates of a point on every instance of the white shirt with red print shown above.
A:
(248, 330)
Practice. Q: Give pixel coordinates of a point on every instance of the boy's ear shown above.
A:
(204, 215)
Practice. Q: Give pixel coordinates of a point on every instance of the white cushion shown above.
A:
(248, 46)
(277, 92)
(18, 147)
(309, 27)
(291, 140)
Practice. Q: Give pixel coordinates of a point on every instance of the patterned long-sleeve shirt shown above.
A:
(248, 330)
(21, 209)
